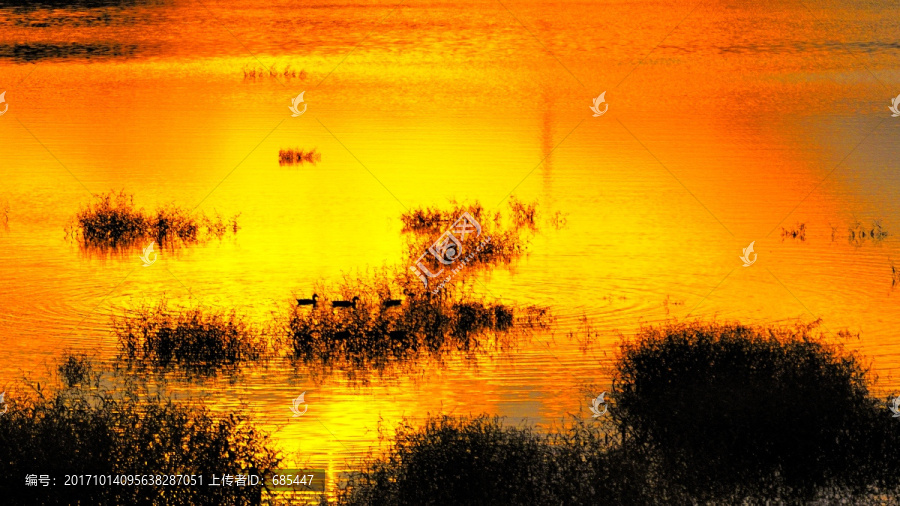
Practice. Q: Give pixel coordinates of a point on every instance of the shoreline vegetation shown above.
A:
(112, 221)
(712, 413)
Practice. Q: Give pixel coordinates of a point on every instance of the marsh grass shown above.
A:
(113, 220)
(481, 460)
(373, 335)
(720, 408)
(699, 414)
(292, 156)
(110, 425)
(858, 234)
(895, 275)
(197, 339)
(509, 236)
(253, 73)
(4, 213)
(796, 232)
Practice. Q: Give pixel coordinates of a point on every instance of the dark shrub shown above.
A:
(721, 408)
(96, 429)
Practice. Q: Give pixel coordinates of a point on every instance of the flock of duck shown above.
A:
(314, 301)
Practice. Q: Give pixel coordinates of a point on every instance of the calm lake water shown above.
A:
(726, 122)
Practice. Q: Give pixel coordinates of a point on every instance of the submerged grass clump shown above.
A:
(292, 156)
(109, 426)
(699, 414)
(194, 338)
(113, 220)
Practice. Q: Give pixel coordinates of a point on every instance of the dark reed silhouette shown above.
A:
(113, 220)
(699, 414)
(90, 422)
(198, 338)
(292, 156)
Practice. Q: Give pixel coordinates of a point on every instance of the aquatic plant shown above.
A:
(4, 212)
(254, 73)
(195, 338)
(523, 214)
(110, 426)
(797, 232)
(721, 408)
(373, 332)
(699, 414)
(113, 220)
(292, 156)
(857, 234)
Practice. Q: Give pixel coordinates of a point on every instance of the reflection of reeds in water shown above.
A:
(857, 234)
(797, 232)
(292, 156)
(895, 275)
(708, 414)
(99, 423)
(373, 333)
(254, 73)
(4, 213)
(113, 220)
(198, 339)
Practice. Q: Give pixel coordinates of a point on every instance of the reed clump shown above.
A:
(254, 73)
(113, 220)
(858, 234)
(721, 408)
(292, 156)
(796, 232)
(109, 426)
(374, 332)
(195, 338)
(698, 414)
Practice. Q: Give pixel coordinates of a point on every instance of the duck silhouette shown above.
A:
(345, 303)
(309, 302)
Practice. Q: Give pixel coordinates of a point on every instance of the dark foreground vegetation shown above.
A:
(292, 156)
(80, 424)
(712, 414)
(113, 220)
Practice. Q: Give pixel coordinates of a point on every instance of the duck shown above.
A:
(309, 302)
(392, 302)
(345, 303)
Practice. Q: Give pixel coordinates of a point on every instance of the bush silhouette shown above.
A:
(724, 408)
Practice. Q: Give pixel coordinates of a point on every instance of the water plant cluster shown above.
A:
(292, 156)
(254, 73)
(701, 414)
(90, 422)
(509, 235)
(391, 319)
(193, 338)
(396, 318)
(113, 220)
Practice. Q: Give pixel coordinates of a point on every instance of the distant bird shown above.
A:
(345, 303)
(392, 302)
(309, 302)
